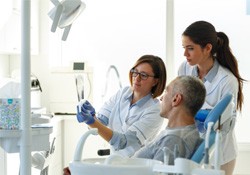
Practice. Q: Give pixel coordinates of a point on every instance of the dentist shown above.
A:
(130, 117)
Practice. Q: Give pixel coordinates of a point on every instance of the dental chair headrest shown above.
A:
(204, 116)
(217, 111)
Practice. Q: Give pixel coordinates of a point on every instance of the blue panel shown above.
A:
(248, 6)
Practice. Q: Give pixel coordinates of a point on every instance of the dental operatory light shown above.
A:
(64, 14)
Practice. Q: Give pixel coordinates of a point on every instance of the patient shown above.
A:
(182, 98)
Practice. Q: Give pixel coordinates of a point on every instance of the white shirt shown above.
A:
(218, 82)
(139, 122)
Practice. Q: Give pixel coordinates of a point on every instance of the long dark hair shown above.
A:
(203, 33)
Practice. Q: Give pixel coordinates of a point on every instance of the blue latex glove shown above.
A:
(84, 115)
(88, 107)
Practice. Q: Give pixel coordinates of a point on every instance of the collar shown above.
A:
(140, 102)
(211, 74)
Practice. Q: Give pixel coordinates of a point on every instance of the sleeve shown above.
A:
(107, 107)
(125, 144)
(140, 131)
(145, 152)
(163, 149)
(103, 119)
(182, 69)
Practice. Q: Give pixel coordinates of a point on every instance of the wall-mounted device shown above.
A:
(68, 86)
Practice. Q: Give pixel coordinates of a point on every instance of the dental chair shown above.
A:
(198, 164)
(213, 117)
(208, 123)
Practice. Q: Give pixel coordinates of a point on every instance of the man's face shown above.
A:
(166, 100)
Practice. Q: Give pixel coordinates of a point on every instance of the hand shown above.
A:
(84, 115)
(86, 104)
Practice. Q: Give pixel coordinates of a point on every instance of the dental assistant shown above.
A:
(132, 116)
(209, 57)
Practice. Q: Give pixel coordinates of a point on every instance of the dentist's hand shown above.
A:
(84, 115)
(86, 104)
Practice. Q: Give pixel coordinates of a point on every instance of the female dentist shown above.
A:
(209, 57)
(132, 116)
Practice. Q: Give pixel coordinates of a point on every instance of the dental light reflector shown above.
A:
(64, 14)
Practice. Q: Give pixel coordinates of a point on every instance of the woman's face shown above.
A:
(143, 86)
(193, 52)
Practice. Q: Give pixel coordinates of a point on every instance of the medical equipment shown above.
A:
(195, 165)
(112, 165)
(35, 95)
(111, 67)
(85, 112)
(41, 160)
(79, 86)
(64, 13)
(116, 164)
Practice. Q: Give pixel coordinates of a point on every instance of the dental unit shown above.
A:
(198, 164)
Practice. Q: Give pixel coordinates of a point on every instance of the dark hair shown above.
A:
(203, 33)
(192, 90)
(159, 70)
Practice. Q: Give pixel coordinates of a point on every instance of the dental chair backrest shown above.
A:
(210, 116)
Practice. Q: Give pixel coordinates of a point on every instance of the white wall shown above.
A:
(113, 32)
(4, 68)
(230, 17)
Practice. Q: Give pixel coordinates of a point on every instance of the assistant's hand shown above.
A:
(84, 115)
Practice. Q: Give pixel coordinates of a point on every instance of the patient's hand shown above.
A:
(66, 171)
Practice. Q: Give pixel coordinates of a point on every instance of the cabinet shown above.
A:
(66, 132)
(10, 142)
(10, 33)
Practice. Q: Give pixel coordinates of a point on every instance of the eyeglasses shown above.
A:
(143, 76)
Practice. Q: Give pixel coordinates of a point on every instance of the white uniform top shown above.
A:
(218, 82)
(132, 125)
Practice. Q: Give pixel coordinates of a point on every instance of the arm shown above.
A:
(155, 150)
(103, 131)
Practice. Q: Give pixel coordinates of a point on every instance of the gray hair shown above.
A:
(193, 92)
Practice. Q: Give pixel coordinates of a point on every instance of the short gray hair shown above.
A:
(193, 92)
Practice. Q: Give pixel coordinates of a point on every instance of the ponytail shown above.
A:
(227, 59)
